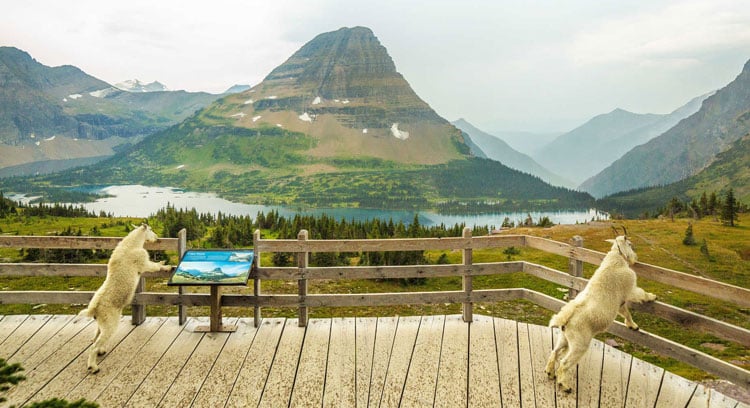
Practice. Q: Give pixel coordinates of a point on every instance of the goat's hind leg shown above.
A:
(561, 347)
(106, 328)
(577, 347)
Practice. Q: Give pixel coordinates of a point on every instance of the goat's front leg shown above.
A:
(157, 267)
(625, 313)
(639, 295)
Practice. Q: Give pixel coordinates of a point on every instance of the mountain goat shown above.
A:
(608, 292)
(129, 259)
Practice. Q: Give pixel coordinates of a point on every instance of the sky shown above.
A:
(536, 66)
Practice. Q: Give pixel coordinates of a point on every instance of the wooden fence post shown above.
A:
(181, 248)
(575, 267)
(302, 262)
(138, 314)
(256, 279)
(468, 314)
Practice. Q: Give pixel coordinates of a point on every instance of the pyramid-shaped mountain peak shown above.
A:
(342, 89)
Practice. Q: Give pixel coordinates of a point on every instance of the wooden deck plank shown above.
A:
(218, 384)
(484, 378)
(540, 341)
(56, 362)
(310, 382)
(525, 369)
(706, 397)
(454, 361)
(22, 334)
(506, 336)
(365, 346)
(615, 374)
(118, 392)
(408, 361)
(117, 360)
(193, 374)
(400, 358)
(419, 389)
(36, 349)
(248, 388)
(166, 371)
(75, 370)
(590, 375)
(341, 376)
(674, 392)
(644, 383)
(278, 389)
(8, 325)
(385, 336)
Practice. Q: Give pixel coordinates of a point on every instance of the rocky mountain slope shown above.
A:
(685, 149)
(63, 114)
(334, 125)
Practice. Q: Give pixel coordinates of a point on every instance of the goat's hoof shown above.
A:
(93, 370)
(550, 374)
(634, 328)
(565, 388)
(101, 352)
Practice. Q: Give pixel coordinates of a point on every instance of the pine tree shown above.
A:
(9, 376)
(729, 209)
(689, 238)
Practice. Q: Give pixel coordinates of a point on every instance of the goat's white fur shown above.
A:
(129, 259)
(608, 293)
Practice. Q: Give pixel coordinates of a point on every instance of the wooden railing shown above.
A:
(467, 296)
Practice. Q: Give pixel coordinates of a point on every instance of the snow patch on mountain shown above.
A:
(399, 134)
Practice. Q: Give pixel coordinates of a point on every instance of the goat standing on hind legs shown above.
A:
(128, 261)
(606, 295)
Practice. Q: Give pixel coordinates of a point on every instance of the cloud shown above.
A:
(676, 35)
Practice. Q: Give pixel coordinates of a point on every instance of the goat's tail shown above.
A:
(563, 316)
(88, 312)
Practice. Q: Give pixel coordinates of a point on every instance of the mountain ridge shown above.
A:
(685, 149)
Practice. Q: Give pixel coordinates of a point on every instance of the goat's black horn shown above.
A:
(624, 231)
(616, 231)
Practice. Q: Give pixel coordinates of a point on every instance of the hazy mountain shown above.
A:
(591, 147)
(528, 143)
(237, 88)
(334, 125)
(729, 170)
(685, 149)
(496, 149)
(59, 115)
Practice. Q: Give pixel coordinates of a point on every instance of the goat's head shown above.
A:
(623, 245)
(148, 234)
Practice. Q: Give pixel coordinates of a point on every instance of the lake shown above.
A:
(143, 201)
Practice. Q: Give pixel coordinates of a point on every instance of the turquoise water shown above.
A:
(142, 201)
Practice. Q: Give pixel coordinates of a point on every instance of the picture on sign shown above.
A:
(215, 267)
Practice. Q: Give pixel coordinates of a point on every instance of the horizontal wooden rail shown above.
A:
(55, 242)
(64, 270)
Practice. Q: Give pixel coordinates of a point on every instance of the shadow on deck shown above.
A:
(341, 362)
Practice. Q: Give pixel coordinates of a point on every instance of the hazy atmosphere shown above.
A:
(503, 65)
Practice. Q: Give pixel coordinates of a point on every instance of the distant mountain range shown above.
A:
(57, 116)
(685, 149)
(588, 149)
(496, 149)
(334, 125)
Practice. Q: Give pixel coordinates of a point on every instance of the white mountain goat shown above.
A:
(608, 293)
(129, 259)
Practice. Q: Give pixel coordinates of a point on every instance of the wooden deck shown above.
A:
(342, 362)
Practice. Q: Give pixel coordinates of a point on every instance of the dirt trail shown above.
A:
(687, 264)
